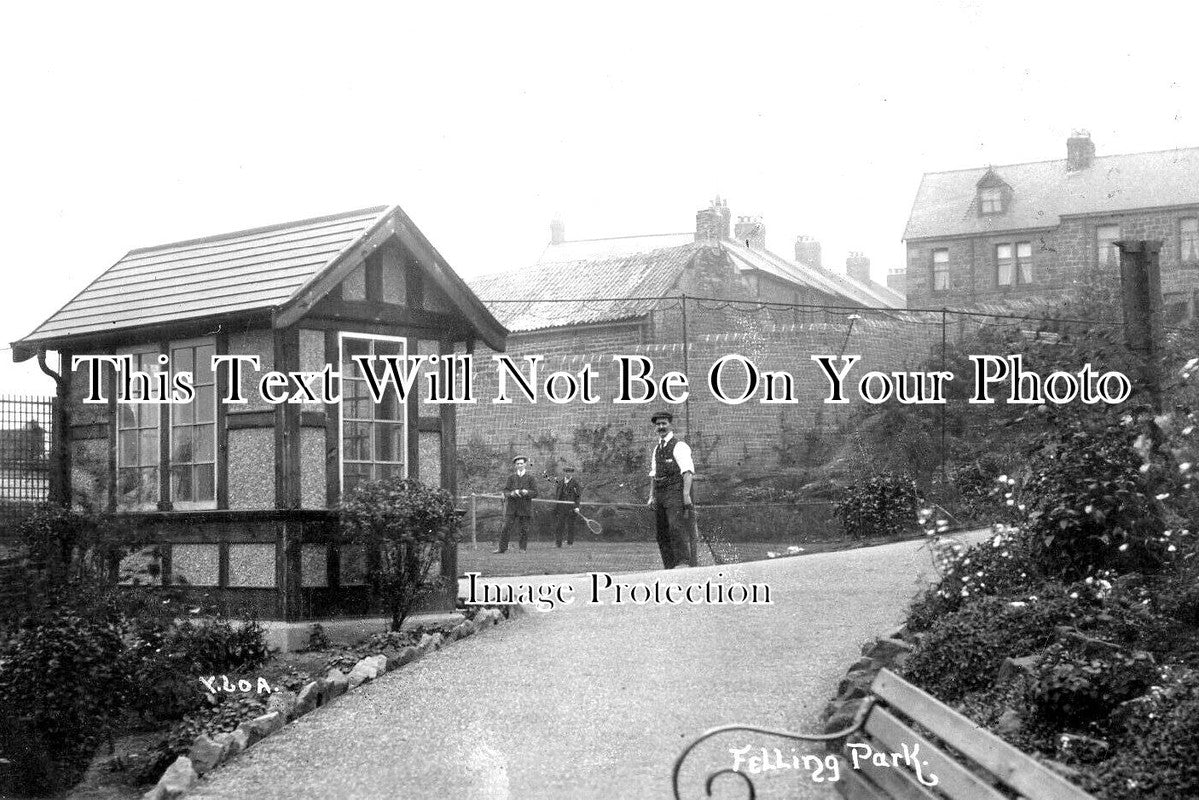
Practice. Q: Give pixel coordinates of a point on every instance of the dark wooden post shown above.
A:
(1141, 297)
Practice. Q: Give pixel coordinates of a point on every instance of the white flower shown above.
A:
(1163, 495)
(1123, 547)
(1184, 466)
(1171, 549)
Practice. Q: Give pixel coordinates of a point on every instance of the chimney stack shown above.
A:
(1080, 151)
(713, 221)
(557, 231)
(897, 280)
(858, 267)
(807, 252)
(751, 232)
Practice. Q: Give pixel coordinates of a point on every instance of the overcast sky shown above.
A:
(130, 125)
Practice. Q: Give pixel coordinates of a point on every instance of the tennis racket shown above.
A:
(592, 525)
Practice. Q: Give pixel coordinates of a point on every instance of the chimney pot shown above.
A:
(1080, 151)
(858, 266)
(807, 252)
(557, 231)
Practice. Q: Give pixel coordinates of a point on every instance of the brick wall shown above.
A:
(735, 437)
(1062, 258)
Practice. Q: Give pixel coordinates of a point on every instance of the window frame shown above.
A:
(342, 336)
(1014, 262)
(154, 351)
(1183, 260)
(933, 262)
(193, 505)
(990, 204)
(1101, 261)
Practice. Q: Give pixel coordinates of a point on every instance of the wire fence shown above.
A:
(26, 432)
(773, 454)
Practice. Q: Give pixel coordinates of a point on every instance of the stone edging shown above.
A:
(890, 651)
(284, 706)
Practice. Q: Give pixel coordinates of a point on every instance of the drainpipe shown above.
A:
(60, 470)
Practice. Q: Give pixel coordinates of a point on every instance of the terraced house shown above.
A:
(985, 234)
(237, 496)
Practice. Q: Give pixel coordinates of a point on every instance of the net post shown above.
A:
(474, 527)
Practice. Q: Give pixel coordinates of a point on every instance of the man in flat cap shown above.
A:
(566, 510)
(519, 491)
(670, 476)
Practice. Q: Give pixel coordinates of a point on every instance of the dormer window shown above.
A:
(990, 200)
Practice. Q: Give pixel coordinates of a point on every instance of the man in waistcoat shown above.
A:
(670, 476)
(519, 491)
(567, 516)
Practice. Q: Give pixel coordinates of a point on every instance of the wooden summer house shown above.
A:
(239, 497)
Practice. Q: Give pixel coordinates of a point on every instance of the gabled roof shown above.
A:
(582, 249)
(823, 280)
(274, 268)
(1044, 191)
(572, 292)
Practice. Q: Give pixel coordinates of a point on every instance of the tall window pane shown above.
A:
(1024, 262)
(1188, 240)
(941, 269)
(1105, 245)
(137, 436)
(373, 435)
(1003, 264)
(193, 428)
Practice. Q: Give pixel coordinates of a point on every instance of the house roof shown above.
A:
(577, 292)
(820, 279)
(581, 249)
(273, 268)
(1043, 192)
(837, 284)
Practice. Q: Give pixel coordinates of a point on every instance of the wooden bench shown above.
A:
(957, 759)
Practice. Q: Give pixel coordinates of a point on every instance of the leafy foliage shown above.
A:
(962, 651)
(1076, 690)
(1158, 756)
(1089, 507)
(407, 524)
(1001, 566)
(60, 683)
(880, 505)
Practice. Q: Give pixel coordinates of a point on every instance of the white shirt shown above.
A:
(682, 456)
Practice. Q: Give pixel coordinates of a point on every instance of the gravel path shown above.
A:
(596, 701)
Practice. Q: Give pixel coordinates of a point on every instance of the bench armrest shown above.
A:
(859, 719)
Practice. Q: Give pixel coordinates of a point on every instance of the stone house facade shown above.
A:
(991, 234)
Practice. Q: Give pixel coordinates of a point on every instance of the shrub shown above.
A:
(881, 505)
(408, 524)
(1001, 566)
(59, 686)
(1158, 757)
(1089, 508)
(1078, 691)
(162, 666)
(962, 651)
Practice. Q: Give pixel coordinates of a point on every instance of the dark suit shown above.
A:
(519, 509)
(565, 518)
